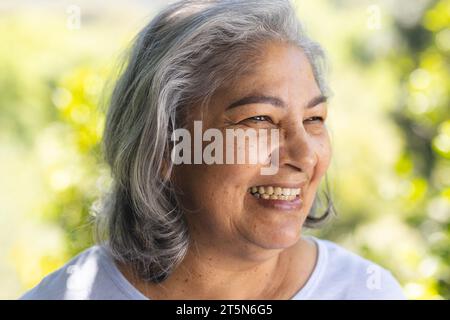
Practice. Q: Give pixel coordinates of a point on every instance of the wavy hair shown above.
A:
(182, 57)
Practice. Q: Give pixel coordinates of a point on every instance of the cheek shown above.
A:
(324, 152)
(214, 191)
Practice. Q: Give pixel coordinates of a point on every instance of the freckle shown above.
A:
(186, 280)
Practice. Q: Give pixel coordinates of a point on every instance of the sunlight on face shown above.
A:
(233, 206)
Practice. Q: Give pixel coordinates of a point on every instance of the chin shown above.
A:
(277, 237)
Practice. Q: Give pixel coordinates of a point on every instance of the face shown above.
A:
(234, 207)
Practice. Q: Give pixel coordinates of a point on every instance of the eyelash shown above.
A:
(266, 118)
(315, 119)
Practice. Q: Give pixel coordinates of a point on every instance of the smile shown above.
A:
(275, 193)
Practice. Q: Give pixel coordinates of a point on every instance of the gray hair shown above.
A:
(182, 57)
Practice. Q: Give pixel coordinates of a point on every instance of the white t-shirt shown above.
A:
(338, 274)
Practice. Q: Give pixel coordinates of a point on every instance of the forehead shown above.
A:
(282, 70)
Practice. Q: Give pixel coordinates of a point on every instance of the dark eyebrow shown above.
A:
(316, 101)
(277, 102)
(258, 99)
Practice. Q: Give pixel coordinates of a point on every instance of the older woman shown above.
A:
(185, 219)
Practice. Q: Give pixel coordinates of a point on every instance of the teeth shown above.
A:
(278, 191)
(275, 193)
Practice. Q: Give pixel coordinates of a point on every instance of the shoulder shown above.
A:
(346, 275)
(74, 280)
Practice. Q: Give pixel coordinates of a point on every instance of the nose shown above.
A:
(298, 151)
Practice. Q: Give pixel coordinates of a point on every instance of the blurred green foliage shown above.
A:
(423, 115)
(389, 121)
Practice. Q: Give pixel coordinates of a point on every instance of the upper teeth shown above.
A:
(278, 191)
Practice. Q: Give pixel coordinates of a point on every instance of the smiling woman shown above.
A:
(218, 230)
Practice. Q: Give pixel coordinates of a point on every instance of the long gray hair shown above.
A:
(182, 57)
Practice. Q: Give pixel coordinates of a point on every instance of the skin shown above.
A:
(239, 249)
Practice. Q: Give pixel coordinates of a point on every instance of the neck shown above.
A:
(208, 273)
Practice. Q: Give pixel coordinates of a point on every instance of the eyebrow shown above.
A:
(277, 102)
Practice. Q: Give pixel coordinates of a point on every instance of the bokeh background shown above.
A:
(389, 121)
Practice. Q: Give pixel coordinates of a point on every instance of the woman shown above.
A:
(184, 219)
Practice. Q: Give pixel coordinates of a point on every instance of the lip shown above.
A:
(291, 185)
(283, 205)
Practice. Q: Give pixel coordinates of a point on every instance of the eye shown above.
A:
(260, 119)
(315, 119)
